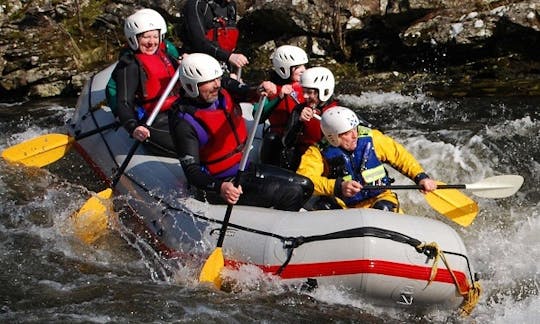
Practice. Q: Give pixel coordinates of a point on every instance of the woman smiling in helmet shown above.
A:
(352, 156)
(141, 75)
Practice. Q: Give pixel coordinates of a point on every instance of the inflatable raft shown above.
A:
(390, 258)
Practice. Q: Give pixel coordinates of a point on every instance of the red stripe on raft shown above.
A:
(352, 267)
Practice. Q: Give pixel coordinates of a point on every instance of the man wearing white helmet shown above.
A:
(210, 27)
(140, 77)
(352, 156)
(209, 132)
(288, 64)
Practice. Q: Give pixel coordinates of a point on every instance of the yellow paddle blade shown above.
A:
(91, 221)
(454, 205)
(39, 151)
(211, 271)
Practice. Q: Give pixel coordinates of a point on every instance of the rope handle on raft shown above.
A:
(471, 296)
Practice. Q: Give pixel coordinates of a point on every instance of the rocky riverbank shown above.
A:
(441, 48)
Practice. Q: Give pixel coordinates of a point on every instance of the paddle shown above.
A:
(214, 264)
(493, 187)
(46, 149)
(458, 207)
(91, 221)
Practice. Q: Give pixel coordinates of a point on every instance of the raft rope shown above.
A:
(470, 296)
(431, 250)
(290, 243)
(91, 110)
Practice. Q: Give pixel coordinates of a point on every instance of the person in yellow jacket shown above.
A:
(351, 156)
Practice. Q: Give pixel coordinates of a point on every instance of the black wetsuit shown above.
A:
(199, 18)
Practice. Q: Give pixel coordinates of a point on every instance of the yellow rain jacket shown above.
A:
(387, 150)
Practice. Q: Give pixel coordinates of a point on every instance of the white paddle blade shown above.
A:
(497, 187)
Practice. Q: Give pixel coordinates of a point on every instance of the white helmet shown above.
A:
(319, 78)
(197, 68)
(337, 120)
(142, 21)
(287, 56)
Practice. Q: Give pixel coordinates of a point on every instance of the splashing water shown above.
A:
(50, 276)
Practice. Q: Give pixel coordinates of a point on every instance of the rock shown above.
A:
(443, 48)
(49, 89)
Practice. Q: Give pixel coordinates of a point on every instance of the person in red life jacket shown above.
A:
(288, 64)
(141, 75)
(351, 156)
(303, 128)
(210, 27)
(209, 132)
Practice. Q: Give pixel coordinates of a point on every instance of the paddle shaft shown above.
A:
(149, 122)
(241, 168)
(397, 187)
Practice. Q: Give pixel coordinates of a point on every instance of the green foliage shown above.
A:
(84, 18)
(91, 47)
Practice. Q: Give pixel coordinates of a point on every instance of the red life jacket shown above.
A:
(280, 115)
(227, 134)
(225, 36)
(159, 70)
(312, 133)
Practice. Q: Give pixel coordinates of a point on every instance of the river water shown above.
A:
(49, 276)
